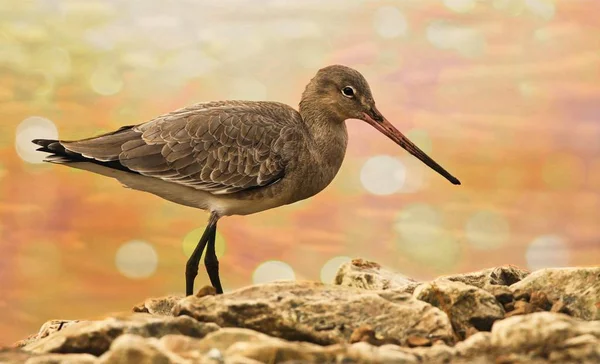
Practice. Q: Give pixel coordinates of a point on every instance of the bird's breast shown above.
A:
(318, 165)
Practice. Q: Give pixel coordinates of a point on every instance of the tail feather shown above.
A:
(61, 155)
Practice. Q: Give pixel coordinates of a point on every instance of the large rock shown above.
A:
(321, 314)
(161, 306)
(95, 337)
(63, 359)
(469, 308)
(505, 275)
(369, 275)
(136, 349)
(265, 349)
(555, 336)
(15, 356)
(305, 322)
(47, 328)
(577, 289)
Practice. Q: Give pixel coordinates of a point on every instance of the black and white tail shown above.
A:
(61, 155)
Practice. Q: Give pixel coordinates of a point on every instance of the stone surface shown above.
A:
(578, 289)
(15, 356)
(308, 322)
(95, 337)
(369, 275)
(136, 349)
(468, 307)
(318, 313)
(505, 275)
(540, 331)
(12, 355)
(63, 359)
(47, 328)
(161, 306)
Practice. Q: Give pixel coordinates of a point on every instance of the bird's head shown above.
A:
(345, 94)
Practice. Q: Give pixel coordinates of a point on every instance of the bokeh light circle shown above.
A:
(416, 175)
(389, 22)
(193, 237)
(545, 9)
(423, 240)
(440, 255)
(421, 139)
(106, 80)
(272, 270)
(487, 230)
(383, 175)
(136, 259)
(468, 42)
(34, 127)
(418, 224)
(547, 251)
(460, 6)
(330, 268)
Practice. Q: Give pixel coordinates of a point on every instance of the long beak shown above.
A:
(383, 125)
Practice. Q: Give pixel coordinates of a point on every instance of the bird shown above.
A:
(237, 157)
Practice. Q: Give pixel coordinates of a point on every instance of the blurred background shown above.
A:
(505, 94)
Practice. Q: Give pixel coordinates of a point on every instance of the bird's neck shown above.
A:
(328, 132)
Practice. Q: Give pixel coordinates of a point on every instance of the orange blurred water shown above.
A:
(505, 94)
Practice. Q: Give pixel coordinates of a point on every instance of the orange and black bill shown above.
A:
(384, 126)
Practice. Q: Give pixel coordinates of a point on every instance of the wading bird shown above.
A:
(237, 157)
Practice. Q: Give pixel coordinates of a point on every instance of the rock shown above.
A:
(136, 349)
(206, 291)
(468, 307)
(272, 350)
(63, 359)
(559, 306)
(370, 275)
(546, 334)
(306, 322)
(14, 356)
(364, 353)
(213, 347)
(521, 308)
(474, 345)
(503, 294)
(540, 301)
(577, 288)
(95, 337)
(418, 341)
(367, 334)
(318, 313)
(500, 276)
(577, 349)
(47, 328)
(540, 337)
(161, 306)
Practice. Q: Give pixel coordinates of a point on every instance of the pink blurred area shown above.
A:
(505, 94)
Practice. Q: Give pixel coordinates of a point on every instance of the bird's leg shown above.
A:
(212, 263)
(191, 267)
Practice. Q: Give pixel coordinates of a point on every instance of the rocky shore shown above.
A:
(370, 315)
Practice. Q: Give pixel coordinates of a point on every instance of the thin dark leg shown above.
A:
(212, 263)
(191, 267)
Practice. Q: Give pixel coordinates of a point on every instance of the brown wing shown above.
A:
(219, 147)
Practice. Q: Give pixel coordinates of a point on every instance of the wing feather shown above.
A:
(218, 147)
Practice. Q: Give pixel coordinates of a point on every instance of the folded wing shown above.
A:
(219, 147)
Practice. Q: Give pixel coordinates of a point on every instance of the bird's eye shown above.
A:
(348, 91)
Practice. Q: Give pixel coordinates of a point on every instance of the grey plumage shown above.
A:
(237, 157)
(218, 147)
